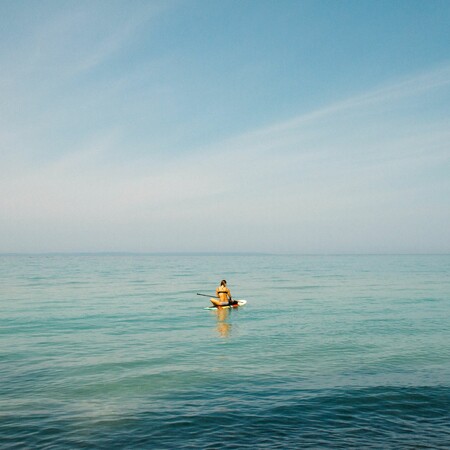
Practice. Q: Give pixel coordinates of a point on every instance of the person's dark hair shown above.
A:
(223, 282)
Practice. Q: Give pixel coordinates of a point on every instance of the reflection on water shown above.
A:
(223, 326)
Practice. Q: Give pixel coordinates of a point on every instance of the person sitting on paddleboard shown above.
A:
(223, 294)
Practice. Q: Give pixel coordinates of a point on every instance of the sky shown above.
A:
(314, 127)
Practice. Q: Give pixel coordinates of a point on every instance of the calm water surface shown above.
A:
(116, 351)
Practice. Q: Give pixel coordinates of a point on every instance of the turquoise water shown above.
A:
(116, 351)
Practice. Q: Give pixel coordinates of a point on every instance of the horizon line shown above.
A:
(217, 253)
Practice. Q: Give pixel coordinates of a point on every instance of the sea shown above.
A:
(116, 351)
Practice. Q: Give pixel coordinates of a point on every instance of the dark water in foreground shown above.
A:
(330, 352)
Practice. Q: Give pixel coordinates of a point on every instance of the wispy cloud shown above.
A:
(376, 101)
(70, 39)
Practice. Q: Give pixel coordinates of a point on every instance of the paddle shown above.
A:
(206, 295)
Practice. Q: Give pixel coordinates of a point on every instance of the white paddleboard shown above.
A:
(239, 303)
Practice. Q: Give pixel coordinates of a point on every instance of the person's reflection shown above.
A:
(223, 327)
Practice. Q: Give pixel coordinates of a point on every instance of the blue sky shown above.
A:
(225, 126)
